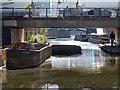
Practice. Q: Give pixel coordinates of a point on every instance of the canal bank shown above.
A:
(112, 50)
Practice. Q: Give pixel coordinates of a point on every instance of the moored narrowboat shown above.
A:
(24, 58)
(81, 37)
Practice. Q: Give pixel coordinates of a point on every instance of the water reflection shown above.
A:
(50, 86)
(90, 59)
(50, 75)
(92, 69)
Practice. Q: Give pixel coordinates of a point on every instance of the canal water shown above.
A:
(92, 69)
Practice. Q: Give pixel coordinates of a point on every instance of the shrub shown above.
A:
(37, 39)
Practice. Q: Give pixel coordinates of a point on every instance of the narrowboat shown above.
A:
(99, 38)
(81, 37)
(25, 58)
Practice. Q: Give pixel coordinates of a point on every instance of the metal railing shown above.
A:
(60, 12)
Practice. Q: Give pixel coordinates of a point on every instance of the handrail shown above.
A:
(61, 12)
(61, 8)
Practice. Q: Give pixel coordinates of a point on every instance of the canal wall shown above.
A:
(21, 59)
(0, 35)
(0, 61)
(66, 50)
(113, 50)
(6, 36)
(0, 28)
(0, 57)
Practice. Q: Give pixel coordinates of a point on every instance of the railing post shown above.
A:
(64, 13)
(22, 14)
(46, 13)
(99, 12)
(13, 12)
(117, 12)
(29, 13)
(71, 11)
(81, 12)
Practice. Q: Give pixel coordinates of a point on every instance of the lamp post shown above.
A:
(32, 6)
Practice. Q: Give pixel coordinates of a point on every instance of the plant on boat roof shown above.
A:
(43, 31)
(39, 38)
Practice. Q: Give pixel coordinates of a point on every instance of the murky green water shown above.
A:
(92, 69)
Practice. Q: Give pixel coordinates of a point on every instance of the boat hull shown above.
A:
(21, 59)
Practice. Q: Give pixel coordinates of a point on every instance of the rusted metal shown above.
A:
(21, 59)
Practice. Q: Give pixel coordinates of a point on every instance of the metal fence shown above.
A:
(60, 12)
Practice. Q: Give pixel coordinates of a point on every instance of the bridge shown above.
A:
(20, 18)
(61, 17)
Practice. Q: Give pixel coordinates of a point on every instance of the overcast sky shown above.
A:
(64, 0)
(100, 0)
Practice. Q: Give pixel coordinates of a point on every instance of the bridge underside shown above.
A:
(63, 22)
(19, 24)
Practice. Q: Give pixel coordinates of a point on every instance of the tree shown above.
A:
(39, 38)
(43, 31)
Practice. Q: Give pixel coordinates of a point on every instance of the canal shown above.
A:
(92, 69)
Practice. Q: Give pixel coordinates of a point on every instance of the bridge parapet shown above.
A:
(60, 12)
(62, 18)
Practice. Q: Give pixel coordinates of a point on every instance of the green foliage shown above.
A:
(43, 31)
(37, 39)
(30, 38)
